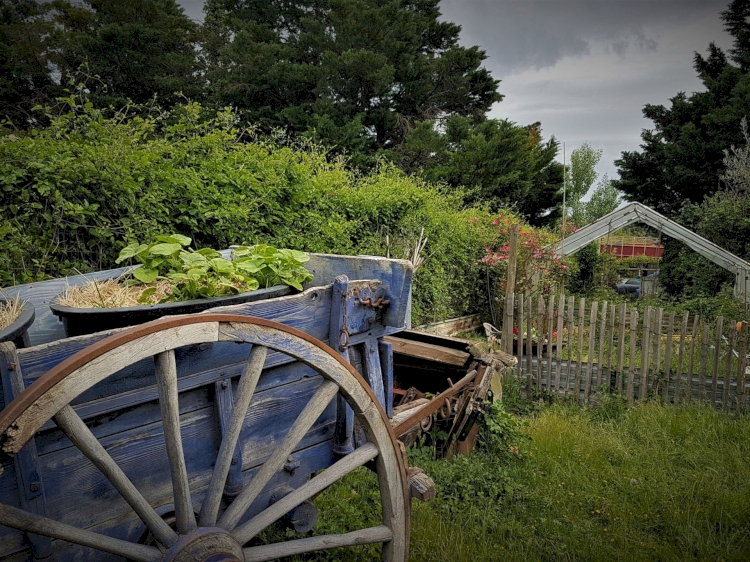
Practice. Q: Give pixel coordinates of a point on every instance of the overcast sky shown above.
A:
(584, 68)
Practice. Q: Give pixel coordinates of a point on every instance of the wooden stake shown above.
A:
(645, 348)
(510, 288)
(540, 343)
(631, 365)
(520, 340)
(729, 364)
(741, 366)
(592, 339)
(656, 334)
(704, 364)
(529, 344)
(602, 343)
(550, 339)
(680, 357)
(579, 365)
(717, 356)
(621, 318)
(611, 344)
(560, 328)
(571, 313)
(691, 359)
(668, 356)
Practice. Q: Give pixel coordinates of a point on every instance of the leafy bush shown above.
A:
(74, 194)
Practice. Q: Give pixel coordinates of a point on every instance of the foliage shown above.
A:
(496, 161)
(589, 261)
(72, 193)
(580, 177)
(537, 265)
(354, 75)
(205, 273)
(681, 158)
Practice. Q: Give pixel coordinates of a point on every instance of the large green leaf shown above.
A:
(145, 275)
(165, 249)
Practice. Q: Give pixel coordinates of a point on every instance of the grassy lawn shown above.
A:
(650, 482)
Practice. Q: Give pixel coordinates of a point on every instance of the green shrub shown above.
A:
(74, 194)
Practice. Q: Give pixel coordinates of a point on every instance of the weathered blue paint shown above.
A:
(123, 411)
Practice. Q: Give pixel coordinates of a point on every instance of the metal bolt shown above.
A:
(11, 366)
(35, 486)
(224, 384)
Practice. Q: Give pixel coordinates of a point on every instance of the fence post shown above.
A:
(704, 363)
(529, 346)
(621, 316)
(560, 327)
(741, 366)
(510, 289)
(592, 339)
(520, 341)
(691, 360)
(668, 355)
(571, 313)
(717, 356)
(602, 343)
(656, 334)
(631, 365)
(540, 343)
(681, 356)
(645, 348)
(550, 321)
(729, 364)
(579, 364)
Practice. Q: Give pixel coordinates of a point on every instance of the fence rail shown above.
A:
(586, 349)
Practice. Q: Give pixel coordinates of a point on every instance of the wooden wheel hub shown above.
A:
(209, 544)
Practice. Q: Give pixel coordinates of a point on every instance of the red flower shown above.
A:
(515, 331)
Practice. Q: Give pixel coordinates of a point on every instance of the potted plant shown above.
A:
(175, 279)
(15, 318)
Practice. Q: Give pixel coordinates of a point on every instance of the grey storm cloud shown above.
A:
(535, 34)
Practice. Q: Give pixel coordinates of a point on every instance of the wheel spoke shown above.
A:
(302, 425)
(335, 472)
(245, 390)
(166, 380)
(300, 546)
(30, 523)
(81, 436)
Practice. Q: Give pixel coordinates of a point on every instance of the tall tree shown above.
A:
(354, 74)
(25, 79)
(681, 157)
(134, 50)
(580, 178)
(495, 161)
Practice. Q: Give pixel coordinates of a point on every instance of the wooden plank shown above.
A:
(691, 358)
(510, 289)
(610, 346)
(529, 347)
(570, 325)
(741, 365)
(621, 320)
(668, 355)
(602, 344)
(453, 326)
(728, 371)
(560, 328)
(428, 351)
(645, 349)
(656, 335)
(521, 341)
(717, 356)
(550, 339)
(592, 339)
(579, 363)
(540, 343)
(680, 358)
(631, 365)
(704, 363)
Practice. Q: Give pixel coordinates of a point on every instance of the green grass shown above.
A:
(651, 482)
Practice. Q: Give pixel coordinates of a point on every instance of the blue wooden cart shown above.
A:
(184, 438)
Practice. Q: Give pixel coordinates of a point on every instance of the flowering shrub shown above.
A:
(536, 261)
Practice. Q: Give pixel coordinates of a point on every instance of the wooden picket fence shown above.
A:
(569, 346)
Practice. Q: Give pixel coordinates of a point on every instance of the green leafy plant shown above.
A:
(196, 274)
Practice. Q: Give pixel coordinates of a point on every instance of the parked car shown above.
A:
(629, 286)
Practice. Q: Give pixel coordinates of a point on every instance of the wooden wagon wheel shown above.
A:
(212, 536)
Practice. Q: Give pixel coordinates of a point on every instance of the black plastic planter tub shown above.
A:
(17, 332)
(80, 321)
